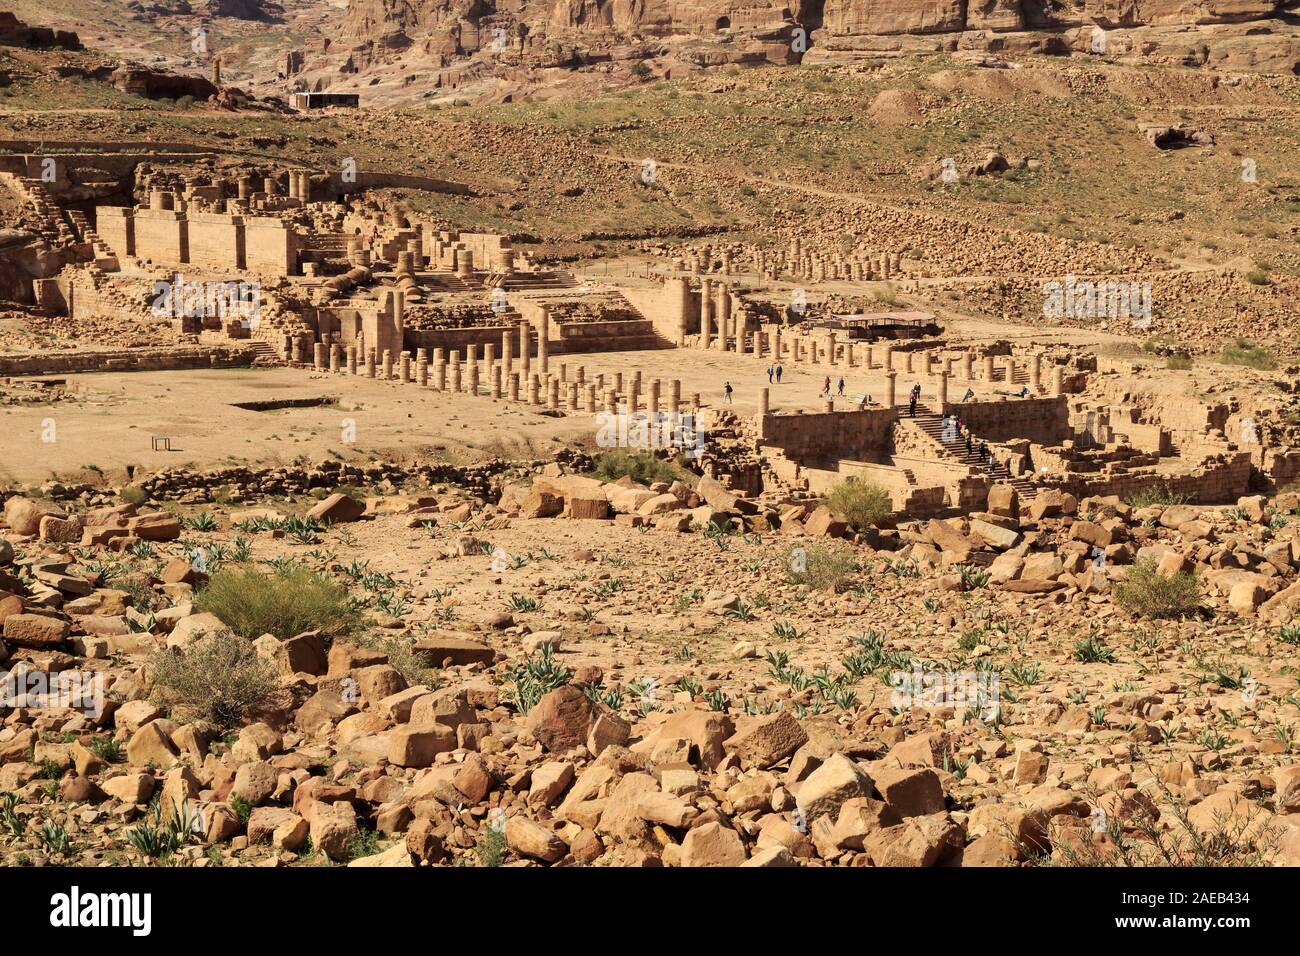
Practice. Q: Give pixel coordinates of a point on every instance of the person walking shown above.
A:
(726, 393)
(826, 387)
(968, 443)
(841, 386)
(769, 375)
(984, 451)
(778, 373)
(911, 406)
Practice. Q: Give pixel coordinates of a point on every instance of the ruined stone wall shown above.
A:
(858, 434)
(116, 226)
(1224, 478)
(161, 236)
(457, 339)
(1042, 420)
(673, 308)
(216, 240)
(126, 360)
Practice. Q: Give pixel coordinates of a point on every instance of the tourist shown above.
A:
(826, 387)
(726, 393)
(778, 373)
(911, 406)
(1024, 392)
(968, 443)
(841, 386)
(984, 451)
(769, 375)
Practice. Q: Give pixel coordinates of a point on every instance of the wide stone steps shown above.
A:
(932, 425)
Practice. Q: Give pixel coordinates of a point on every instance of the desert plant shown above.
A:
(288, 601)
(1159, 495)
(536, 677)
(643, 467)
(218, 677)
(1091, 650)
(821, 568)
(1147, 593)
(860, 503)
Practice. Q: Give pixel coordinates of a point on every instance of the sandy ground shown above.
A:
(114, 416)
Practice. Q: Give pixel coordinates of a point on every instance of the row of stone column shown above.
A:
(445, 372)
(799, 348)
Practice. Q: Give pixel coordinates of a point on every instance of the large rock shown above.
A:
(23, 515)
(827, 788)
(712, 844)
(35, 630)
(764, 741)
(561, 719)
(337, 508)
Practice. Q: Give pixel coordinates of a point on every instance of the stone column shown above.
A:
(762, 402)
(318, 356)
(573, 397)
(455, 371)
(543, 341)
(507, 356)
(1036, 372)
(1011, 371)
(654, 397)
(611, 401)
(908, 362)
(888, 360)
(421, 370)
(591, 398)
(988, 370)
(675, 396)
(525, 349)
(723, 309)
(439, 370)
(335, 354)
(404, 368)
(706, 314)
(352, 360)
(776, 343)
(552, 393)
(830, 349)
(514, 386)
(534, 390)
(489, 357)
(849, 356)
(1058, 381)
(473, 378)
(891, 388)
(828, 406)
(967, 365)
(370, 363)
(295, 350)
(943, 390)
(496, 383)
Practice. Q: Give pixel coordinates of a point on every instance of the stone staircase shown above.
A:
(931, 423)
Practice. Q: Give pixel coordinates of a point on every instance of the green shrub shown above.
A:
(289, 600)
(134, 495)
(821, 568)
(1180, 363)
(216, 678)
(1251, 356)
(860, 503)
(643, 467)
(1160, 495)
(1148, 594)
